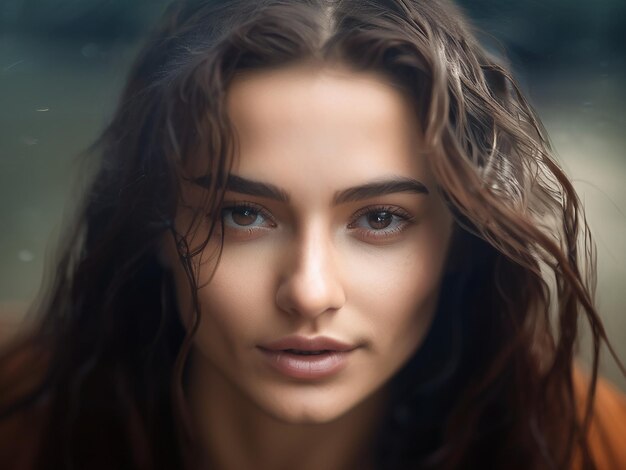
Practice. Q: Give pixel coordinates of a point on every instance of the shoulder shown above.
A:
(607, 434)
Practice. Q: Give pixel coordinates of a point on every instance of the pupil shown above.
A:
(380, 220)
(244, 216)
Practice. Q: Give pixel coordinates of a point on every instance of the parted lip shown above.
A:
(302, 343)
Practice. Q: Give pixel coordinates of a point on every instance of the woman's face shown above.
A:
(335, 238)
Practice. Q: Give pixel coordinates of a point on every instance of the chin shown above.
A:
(305, 416)
(303, 410)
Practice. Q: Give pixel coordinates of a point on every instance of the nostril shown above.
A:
(297, 296)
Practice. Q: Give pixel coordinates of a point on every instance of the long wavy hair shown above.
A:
(101, 377)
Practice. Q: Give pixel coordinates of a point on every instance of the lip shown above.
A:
(302, 343)
(307, 367)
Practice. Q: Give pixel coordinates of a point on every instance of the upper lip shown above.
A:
(302, 343)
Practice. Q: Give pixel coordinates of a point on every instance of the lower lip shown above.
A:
(311, 367)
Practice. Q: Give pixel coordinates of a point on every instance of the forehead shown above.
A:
(332, 124)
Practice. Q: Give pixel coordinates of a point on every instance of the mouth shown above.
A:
(303, 358)
(304, 345)
(306, 353)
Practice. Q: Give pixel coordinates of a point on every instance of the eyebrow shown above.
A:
(383, 187)
(241, 185)
(393, 185)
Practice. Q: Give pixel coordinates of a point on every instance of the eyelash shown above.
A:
(248, 206)
(403, 220)
(401, 217)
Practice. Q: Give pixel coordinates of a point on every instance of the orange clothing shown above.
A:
(607, 433)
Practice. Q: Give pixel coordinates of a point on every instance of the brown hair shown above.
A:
(491, 387)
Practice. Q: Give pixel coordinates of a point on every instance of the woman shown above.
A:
(323, 234)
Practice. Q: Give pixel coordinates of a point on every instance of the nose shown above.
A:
(311, 284)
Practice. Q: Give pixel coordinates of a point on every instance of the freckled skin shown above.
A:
(313, 132)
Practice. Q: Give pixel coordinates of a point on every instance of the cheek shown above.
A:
(398, 287)
(235, 302)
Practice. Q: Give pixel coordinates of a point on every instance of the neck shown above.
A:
(236, 433)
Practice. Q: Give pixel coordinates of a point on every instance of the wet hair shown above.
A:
(492, 384)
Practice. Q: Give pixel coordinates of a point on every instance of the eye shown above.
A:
(246, 216)
(379, 223)
(379, 220)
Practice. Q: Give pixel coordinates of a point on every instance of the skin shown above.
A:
(364, 271)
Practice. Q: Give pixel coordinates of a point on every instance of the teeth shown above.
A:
(305, 353)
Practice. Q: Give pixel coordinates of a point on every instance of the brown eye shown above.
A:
(244, 216)
(379, 220)
(380, 224)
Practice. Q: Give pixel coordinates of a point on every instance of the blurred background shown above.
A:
(63, 62)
